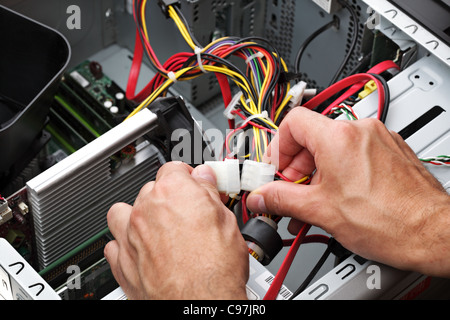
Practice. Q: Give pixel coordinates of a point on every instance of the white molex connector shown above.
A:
(256, 174)
(297, 92)
(227, 175)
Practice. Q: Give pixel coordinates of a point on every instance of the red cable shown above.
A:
(226, 94)
(245, 216)
(378, 69)
(135, 68)
(342, 85)
(274, 289)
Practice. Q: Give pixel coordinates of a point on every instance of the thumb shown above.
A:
(206, 178)
(287, 199)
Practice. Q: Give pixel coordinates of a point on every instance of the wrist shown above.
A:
(430, 252)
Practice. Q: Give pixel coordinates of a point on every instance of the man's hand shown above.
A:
(178, 241)
(369, 191)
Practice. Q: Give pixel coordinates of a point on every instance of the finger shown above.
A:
(300, 130)
(123, 269)
(206, 178)
(144, 192)
(302, 165)
(111, 253)
(175, 168)
(204, 174)
(118, 218)
(290, 200)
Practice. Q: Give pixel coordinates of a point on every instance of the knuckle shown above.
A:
(168, 183)
(115, 209)
(373, 125)
(276, 201)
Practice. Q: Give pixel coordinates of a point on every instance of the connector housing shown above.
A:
(369, 88)
(227, 175)
(256, 174)
(297, 92)
(330, 6)
(6, 213)
(165, 4)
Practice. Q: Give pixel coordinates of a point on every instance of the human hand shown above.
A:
(370, 191)
(178, 241)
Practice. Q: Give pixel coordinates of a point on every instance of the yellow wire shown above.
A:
(234, 75)
(183, 28)
(302, 180)
(257, 144)
(265, 141)
(282, 107)
(253, 109)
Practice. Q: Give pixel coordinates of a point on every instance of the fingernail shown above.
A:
(205, 173)
(256, 203)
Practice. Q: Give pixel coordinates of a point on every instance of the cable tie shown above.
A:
(257, 55)
(171, 75)
(263, 115)
(198, 52)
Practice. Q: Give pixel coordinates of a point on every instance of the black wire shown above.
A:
(184, 20)
(139, 25)
(310, 39)
(312, 274)
(364, 62)
(387, 97)
(221, 61)
(266, 103)
(354, 40)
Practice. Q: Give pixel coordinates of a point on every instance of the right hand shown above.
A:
(369, 191)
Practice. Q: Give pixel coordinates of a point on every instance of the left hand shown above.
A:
(178, 241)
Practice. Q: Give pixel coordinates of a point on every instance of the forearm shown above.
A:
(431, 254)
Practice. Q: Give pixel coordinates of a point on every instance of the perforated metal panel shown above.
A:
(289, 23)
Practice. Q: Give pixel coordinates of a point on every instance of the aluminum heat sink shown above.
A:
(69, 201)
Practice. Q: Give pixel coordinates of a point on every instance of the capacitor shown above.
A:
(120, 101)
(96, 69)
(114, 110)
(108, 104)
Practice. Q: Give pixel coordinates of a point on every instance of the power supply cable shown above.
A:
(387, 96)
(351, 50)
(313, 273)
(310, 39)
(277, 283)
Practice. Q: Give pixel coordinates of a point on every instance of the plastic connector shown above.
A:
(297, 92)
(369, 88)
(6, 213)
(256, 174)
(165, 4)
(330, 6)
(233, 106)
(227, 175)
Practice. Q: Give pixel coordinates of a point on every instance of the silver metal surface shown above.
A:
(413, 28)
(19, 281)
(70, 200)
